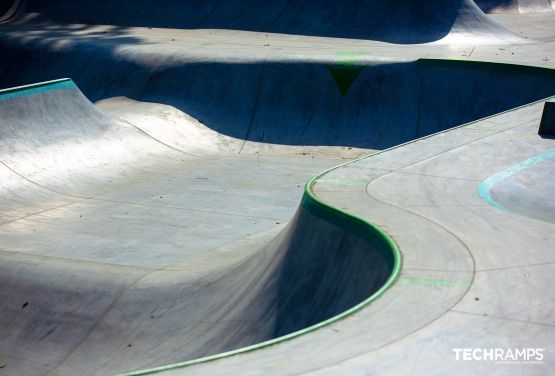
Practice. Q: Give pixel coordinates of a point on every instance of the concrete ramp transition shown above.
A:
(58, 146)
(82, 174)
(394, 21)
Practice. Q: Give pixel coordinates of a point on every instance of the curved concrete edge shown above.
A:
(437, 181)
(340, 217)
(67, 87)
(352, 224)
(484, 190)
(12, 10)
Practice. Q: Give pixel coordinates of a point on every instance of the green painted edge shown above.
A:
(309, 195)
(309, 199)
(372, 233)
(39, 87)
(357, 226)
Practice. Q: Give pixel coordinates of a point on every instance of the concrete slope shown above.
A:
(394, 21)
(339, 104)
(473, 276)
(516, 6)
(171, 229)
(146, 307)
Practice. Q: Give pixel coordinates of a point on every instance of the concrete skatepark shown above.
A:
(337, 187)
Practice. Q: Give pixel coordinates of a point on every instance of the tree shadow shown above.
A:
(394, 21)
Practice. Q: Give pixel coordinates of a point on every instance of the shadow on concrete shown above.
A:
(494, 6)
(371, 106)
(394, 21)
(515, 6)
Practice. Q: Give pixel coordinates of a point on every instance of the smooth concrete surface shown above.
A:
(165, 224)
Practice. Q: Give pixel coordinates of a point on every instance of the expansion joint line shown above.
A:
(255, 106)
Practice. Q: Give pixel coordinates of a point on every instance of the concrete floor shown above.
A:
(163, 224)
